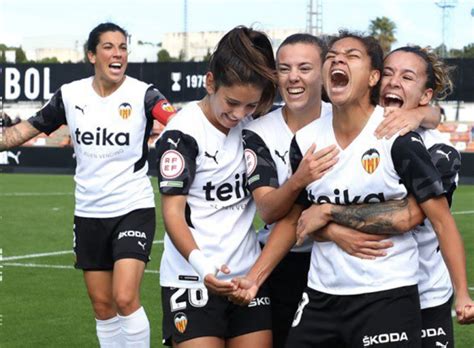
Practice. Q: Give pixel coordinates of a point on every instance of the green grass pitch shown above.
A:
(43, 302)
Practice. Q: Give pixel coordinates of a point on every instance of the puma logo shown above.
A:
(79, 108)
(282, 157)
(174, 143)
(439, 344)
(213, 157)
(416, 139)
(444, 153)
(142, 245)
(16, 157)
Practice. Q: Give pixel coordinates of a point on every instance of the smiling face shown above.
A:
(227, 106)
(110, 58)
(404, 81)
(348, 76)
(299, 76)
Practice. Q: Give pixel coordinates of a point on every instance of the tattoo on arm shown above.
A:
(379, 218)
(17, 135)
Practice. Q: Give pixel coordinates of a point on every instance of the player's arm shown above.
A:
(157, 107)
(387, 218)
(403, 120)
(175, 179)
(279, 243)
(353, 242)
(49, 118)
(17, 135)
(417, 172)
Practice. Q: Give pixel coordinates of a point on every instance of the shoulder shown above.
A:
(264, 122)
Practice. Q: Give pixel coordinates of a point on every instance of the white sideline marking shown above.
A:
(54, 253)
(32, 256)
(22, 194)
(35, 265)
(463, 212)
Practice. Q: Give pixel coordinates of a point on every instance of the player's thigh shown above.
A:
(258, 339)
(133, 235)
(99, 289)
(211, 342)
(437, 326)
(127, 277)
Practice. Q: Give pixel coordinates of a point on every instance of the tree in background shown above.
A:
(383, 29)
(164, 56)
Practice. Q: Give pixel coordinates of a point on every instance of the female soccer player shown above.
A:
(207, 209)
(267, 143)
(413, 76)
(109, 116)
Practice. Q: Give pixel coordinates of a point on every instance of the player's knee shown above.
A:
(104, 309)
(127, 302)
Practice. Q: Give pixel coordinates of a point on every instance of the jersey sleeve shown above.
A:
(51, 116)
(296, 157)
(157, 107)
(177, 154)
(415, 168)
(447, 161)
(260, 165)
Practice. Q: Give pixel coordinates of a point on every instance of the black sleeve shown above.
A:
(51, 116)
(157, 106)
(447, 161)
(176, 162)
(261, 167)
(295, 159)
(415, 168)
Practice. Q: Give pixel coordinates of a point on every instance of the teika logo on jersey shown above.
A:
(226, 191)
(346, 198)
(384, 338)
(125, 110)
(370, 160)
(132, 234)
(102, 137)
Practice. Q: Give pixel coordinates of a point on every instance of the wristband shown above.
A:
(201, 264)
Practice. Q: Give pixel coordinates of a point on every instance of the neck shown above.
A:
(297, 119)
(105, 88)
(349, 120)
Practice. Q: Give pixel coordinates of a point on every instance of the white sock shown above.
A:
(109, 332)
(135, 329)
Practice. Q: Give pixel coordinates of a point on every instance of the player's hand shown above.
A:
(464, 309)
(219, 287)
(398, 121)
(246, 291)
(468, 314)
(315, 164)
(311, 220)
(358, 244)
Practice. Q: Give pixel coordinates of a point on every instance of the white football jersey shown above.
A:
(434, 284)
(110, 136)
(207, 166)
(369, 170)
(267, 143)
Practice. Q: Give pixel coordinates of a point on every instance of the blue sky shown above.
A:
(418, 21)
